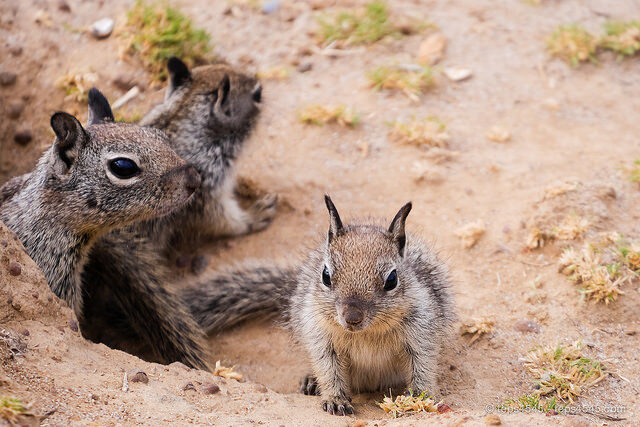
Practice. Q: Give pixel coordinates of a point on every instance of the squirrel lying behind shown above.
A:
(371, 305)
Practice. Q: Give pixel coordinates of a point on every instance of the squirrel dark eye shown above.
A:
(392, 281)
(123, 168)
(326, 278)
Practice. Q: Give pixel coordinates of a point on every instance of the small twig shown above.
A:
(535, 264)
(125, 383)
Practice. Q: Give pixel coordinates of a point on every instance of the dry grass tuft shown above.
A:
(574, 44)
(77, 84)
(598, 281)
(11, 408)
(559, 189)
(363, 26)
(221, 371)
(429, 132)
(412, 83)
(469, 234)
(563, 371)
(404, 404)
(622, 38)
(156, 31)
(571, 228)
(278, 72)
(321, 115)
(477, 328)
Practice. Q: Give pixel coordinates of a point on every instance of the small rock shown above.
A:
(526, 326)
(35, 295)
(261, 388)
(63, 6)
(456, 74)
(16, 306)
(43, 18)
(95, 397)
(7, 78)
(443, 408)
(498, 134)
(360, 423)
(124, 82)
(189, 386)
(179, 365)
(15, 109)
(138, 377)
(25, 332)
(270, 6)
(492, 420)
(210, 388)
(431, 51)
(304, 67)
(23, 137)
(15, 50)
(102, 28)
(15, 269)
(73, 325)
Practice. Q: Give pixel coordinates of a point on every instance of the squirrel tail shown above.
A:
(219, 300)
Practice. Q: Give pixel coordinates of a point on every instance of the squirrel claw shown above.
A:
(263, 211)
(338, 405)
(309, 385)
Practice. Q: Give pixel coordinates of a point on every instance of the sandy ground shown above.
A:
(578, 124)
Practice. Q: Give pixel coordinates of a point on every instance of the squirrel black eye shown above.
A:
(326, 278)
(123, 168)
(257, 94)
(392, 281)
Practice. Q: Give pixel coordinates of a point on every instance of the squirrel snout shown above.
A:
(353, 315)
(193, 180)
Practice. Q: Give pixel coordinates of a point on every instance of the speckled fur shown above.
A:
(402, 332)
(208, 113)
(62, 210)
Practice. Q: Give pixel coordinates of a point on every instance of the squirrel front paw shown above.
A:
(338, 405)
(262, 212)
(309, 385)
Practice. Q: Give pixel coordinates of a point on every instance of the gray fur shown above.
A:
(402, 332)
(208, 113)
(63, 208)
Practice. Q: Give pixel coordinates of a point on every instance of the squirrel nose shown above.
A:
(353, 315)
(193, 179)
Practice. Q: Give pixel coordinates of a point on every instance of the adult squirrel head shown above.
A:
(226, 98)
(111, 174)
(361, 281)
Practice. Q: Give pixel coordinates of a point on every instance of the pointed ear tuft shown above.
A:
(70, 139)
(178, 73)
(335, 223)
(99, 108)
(397, 227)
(223, 90)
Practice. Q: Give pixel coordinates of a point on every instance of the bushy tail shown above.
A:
(219, 300)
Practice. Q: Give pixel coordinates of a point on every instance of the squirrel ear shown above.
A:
(335, 224)
(397, 227)
(99, 108)
(70, 139)
(178, 73)
(223, 90)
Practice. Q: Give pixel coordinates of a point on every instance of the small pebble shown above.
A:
(8, 78)
(360, 423)
(15, 109)
(189, 386)
(63, 6)
(25, 332)
(102, 28)
(15, 269)
(23, 137)
(35, 295)
(270, 6)
(73, 325)
(138, 377)
(124, 82)
(210, 388)
(304, 67)
(492, 420)
(526, 326)
(261, 388)
(443, 408)
(15, 50)
(457, 74)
